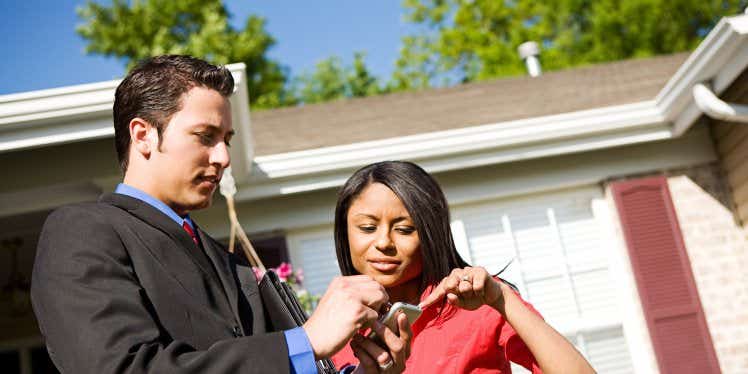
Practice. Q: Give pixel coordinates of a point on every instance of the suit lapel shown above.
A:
(180, 255)
(220, 259)
(159, 220)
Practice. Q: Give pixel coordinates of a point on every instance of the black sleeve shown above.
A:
(95, 319)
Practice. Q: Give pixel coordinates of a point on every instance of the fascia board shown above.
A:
(505, 135)
(268, 187)
(84, 112)
(242, 144)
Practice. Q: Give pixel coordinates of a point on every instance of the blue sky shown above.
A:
(43, 51)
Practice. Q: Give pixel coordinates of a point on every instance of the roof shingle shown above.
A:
(401, 114)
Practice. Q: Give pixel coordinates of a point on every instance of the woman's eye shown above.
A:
(367, 228)
(405, 230)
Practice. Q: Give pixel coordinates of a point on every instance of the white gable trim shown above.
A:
(84, 112)
(719, 59)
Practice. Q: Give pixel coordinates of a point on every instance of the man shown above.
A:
(131, 284)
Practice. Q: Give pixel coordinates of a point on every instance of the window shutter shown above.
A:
(664, 279)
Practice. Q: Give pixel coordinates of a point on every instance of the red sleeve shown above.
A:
(344, 358)
(515, 349)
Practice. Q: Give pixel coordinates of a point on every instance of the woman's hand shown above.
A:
(390, 359)
(468, 288)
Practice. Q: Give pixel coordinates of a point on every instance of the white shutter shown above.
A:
(314, 252)
(560, 265)
(605, 354)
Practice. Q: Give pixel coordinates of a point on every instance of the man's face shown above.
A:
(188, 165)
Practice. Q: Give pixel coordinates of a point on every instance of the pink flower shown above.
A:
(300, 275)
(284, 271)
(258, 273)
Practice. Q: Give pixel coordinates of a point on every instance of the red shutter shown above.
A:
(663, 275)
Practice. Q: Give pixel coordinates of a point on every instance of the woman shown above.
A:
(392, 223)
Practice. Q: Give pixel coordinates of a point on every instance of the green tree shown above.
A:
(466, 40)
(331, 80)
(137, 29)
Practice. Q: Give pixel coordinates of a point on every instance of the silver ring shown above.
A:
(387, 365)
(466, 278)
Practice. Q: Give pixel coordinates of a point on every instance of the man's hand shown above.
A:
(350, 304)
(375, 359)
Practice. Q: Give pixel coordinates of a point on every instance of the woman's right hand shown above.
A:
(375, 359)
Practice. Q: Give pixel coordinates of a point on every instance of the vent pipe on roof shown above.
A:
(529, 52)
(715, 108)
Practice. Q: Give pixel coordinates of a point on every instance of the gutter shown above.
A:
(715, 108)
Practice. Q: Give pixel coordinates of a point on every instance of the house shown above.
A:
(622, 206)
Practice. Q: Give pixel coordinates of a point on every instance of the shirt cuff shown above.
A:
(300, 352)
(347, 369)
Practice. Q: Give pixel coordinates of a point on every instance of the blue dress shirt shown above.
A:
(300, 351)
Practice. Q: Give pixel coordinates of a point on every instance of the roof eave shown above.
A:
(720, 58)
(461, 148)
(84, 112)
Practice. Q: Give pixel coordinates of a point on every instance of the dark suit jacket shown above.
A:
(118, 286)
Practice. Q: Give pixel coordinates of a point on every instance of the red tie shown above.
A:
(186, 227)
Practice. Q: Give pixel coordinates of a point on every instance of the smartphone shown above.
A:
(412, 312)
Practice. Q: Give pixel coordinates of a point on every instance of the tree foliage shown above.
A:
(331, 80)
(457, 40)
(466, 40)
(137, 29)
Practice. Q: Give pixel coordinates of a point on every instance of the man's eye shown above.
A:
(205, 138)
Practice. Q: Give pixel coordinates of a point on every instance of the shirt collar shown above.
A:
(133, 192)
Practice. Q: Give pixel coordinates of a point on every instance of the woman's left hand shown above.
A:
(468, 288)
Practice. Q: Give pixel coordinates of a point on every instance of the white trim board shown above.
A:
(84, 112)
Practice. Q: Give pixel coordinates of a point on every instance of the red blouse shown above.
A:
(460, 341)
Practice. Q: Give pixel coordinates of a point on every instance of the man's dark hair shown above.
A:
(153, 91)
(426, 204)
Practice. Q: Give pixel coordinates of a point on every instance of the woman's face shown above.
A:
(383, 240)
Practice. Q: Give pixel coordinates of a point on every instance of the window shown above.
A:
(560, 263)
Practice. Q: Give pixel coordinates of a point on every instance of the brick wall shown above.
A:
(717, 246)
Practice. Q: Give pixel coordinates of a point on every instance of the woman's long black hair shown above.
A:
(426, 204)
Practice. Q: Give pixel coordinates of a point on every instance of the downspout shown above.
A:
(715, 108)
